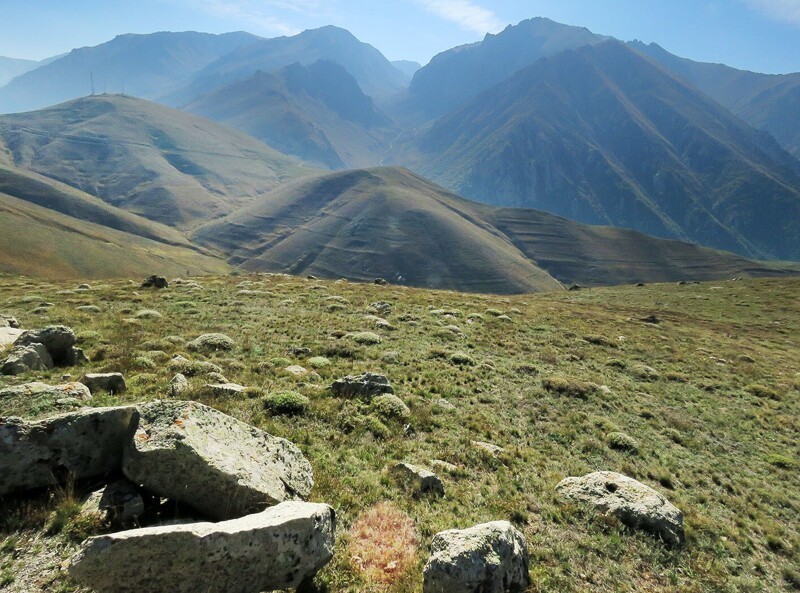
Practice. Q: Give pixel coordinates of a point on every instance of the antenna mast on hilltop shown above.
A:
(91, 77)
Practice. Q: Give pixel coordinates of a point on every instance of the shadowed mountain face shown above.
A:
(316, 112)
(454, 77)
(390, 223)
(604, 136)
(146, 66)
(374, 73)
(162, 164)
(769, 102)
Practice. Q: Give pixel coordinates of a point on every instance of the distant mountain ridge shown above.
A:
(145, 66)
(769, 102)
(604, 136)
(316, 112)
(455, 76)
(12, 67)
(374, 73)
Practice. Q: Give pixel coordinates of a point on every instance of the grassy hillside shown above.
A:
(388, 222)
(151, 160)
(709, 396)
(603, 135)
(39, 242)
(373, 223)
(317, 113)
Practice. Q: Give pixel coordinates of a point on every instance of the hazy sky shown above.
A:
(762, 35)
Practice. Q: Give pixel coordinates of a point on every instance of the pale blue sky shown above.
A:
(762, 35)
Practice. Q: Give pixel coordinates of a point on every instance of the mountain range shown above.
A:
(541, 117)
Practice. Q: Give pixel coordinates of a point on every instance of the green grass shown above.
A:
(715, 429)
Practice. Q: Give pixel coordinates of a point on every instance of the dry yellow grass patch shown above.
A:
(383, 544)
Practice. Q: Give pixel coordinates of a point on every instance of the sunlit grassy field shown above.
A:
(691, 389)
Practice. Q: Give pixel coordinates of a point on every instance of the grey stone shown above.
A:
(23, 359)
(490, 448)
(178, 386)
(80, 445)
(419, 479)
(77, 391)
(221, 466)
(9, 321)
(119, 503)
(9, 335)
(487, 558)
(225, 389)
(275, 549)
(110, 382)
(633, 503)
(58, 339)
(363, 387)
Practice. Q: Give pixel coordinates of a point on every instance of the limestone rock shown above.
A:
(490, 448)
(178, 386)
(296, 370)
(275, 549)
(636, 505)
(110, 382)
(211, 343)
(79, 444)
(487, 558)
(78, 391)
(8, 335)
(421, 480)
(363, 387)
(217, 464)
(23, 359)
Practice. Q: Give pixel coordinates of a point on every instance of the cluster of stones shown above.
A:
(41, 350)
(251, 482)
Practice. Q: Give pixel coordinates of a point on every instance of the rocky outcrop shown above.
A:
(487, 558)
(24, 359)
(634, 504)
(76, 445)
(110, 382)
(220, 466)
(276, 549)
(363, 387)
(418, 479)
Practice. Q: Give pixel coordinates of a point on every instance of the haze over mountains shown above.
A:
(541, 115)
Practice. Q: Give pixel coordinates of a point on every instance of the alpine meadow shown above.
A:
(512, 310)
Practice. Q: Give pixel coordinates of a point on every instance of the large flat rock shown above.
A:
(275, 549)
(8, 335)
(77, 445)
(635, 504)
(219, 465)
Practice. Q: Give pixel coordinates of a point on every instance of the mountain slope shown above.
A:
(388, 222)
(769, 102)
(374, 223)
(162, 164)
(374, 73)
(12, 67)
(316, 112)
(453, 77)
(604, 136)
(146, 66)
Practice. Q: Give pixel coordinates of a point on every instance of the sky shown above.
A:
(759, 35)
